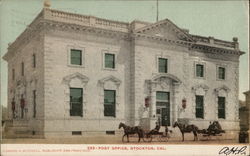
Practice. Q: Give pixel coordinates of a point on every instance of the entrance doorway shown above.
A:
(163, 108)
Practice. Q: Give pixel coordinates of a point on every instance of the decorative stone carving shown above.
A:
(170, 26)
(113, 83)
(74, 77)
(200, 89)
(164, 82)
(167, 75)
(110, 78)
(75, 80)
(222, 91)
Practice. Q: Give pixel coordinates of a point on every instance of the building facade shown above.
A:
(70, 74)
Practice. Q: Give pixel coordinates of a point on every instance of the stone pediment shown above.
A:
(224, 87)
(200, 86)
(77, 76)
(162, 76)
(165, 29)
(200, 89)
(110, 78)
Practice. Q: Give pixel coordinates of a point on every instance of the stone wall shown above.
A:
(32, 80)
(182, 65)
(91, 76)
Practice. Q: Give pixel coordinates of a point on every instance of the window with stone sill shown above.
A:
(109, 103)
(76, 101)
(199, 68)
(109, 61)
(75, 57)
(221, 73)
(199, 108)
(162, 65)
(221, 107)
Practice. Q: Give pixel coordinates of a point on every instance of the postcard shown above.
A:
(134, 77)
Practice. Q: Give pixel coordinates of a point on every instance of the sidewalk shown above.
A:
(110, 139)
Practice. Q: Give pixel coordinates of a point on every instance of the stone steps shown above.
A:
(18, 130)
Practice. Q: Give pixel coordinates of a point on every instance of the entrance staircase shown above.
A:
(17, 129)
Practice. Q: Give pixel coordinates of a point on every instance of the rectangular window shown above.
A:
(199, 109)
(221, 73)
(75, 57)
(109, 102)
(75, 101)
(109, 60)
(13, 74)
(34, 103)
(162, 65)
(162, 96)
(221, 107)
(22, 69)
(34, 60)
(199, 70)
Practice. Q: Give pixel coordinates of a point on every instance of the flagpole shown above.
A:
(157, 11)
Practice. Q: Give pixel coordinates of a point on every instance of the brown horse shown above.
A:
(187, 129)
(131, 130)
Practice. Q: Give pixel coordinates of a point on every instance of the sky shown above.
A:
(220, 19)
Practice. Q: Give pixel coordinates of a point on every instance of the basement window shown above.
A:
(110, 132)
(76, 133)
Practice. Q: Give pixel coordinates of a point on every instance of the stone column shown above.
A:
(152, 101)
(175, 103)
(153, 104)
(153, 118)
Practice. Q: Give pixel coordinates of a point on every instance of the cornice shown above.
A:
(79, 28)
(214, 49)
(49, 18)
(161, 39)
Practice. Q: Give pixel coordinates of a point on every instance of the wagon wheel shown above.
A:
(147, 138)
(163, 138)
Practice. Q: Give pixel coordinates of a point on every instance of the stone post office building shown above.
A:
(70, 74)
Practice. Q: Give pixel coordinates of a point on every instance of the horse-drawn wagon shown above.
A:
(214, 129)
(146, 136)
(159, 136)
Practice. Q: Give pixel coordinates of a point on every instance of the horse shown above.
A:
(131, 130)
(187, 129)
